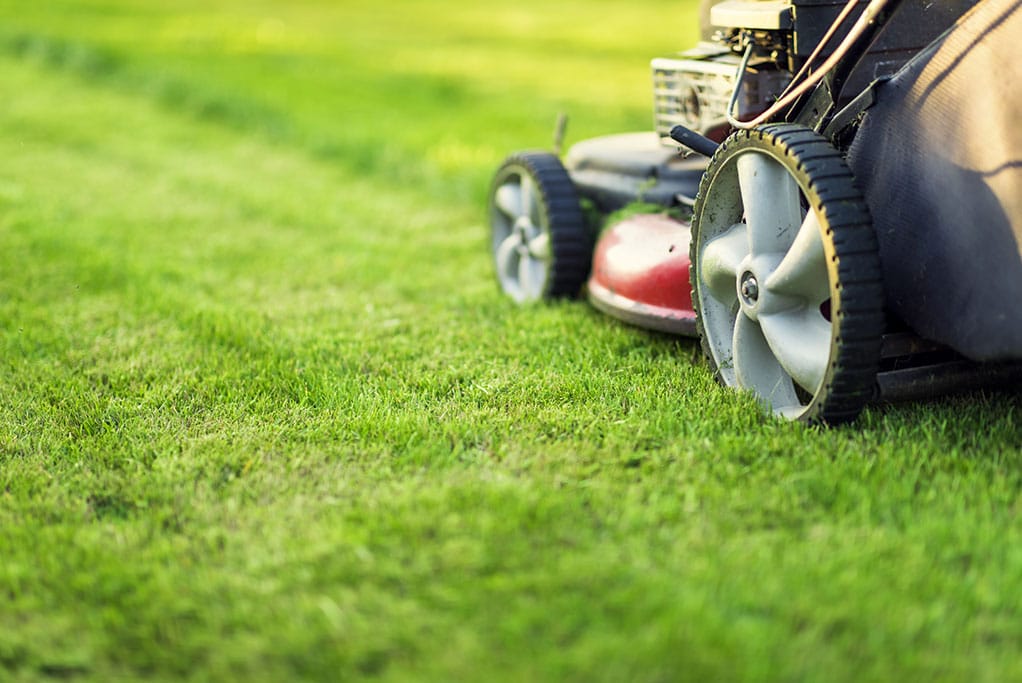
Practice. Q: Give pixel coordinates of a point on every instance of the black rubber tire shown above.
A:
(851, 252)
(559, 215)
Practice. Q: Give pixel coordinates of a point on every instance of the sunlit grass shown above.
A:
(266, 416)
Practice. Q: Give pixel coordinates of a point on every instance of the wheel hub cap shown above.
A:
(521, 227)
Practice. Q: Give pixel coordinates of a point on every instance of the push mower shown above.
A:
(831, 200)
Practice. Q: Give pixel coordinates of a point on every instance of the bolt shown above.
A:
(749, 287)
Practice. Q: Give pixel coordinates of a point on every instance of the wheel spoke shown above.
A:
(770, 197)
(530, 277)
(757, 369)
(803, 272)
(539, 246)
(800, 339)
(530, 205)
(720, 260)
(508, 199)
(506, 255)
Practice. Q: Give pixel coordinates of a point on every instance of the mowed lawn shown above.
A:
(264, 415)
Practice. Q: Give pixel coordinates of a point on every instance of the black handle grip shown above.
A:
(694, 141)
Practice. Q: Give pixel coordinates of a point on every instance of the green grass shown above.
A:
(266, 417)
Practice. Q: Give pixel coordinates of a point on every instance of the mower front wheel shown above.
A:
(541, 245)
(786, 276)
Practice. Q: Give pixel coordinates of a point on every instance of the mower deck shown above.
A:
(640, 274)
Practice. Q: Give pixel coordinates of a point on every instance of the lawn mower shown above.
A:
(831, 200)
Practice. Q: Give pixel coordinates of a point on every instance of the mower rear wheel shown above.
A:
(786, 278)
(542, 247)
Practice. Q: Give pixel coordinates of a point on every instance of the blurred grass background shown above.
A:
(266, 417)
(395, 88)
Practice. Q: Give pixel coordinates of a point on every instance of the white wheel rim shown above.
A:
(521, 238)
(763, 283)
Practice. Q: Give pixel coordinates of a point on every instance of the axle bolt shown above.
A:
(749, 288)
